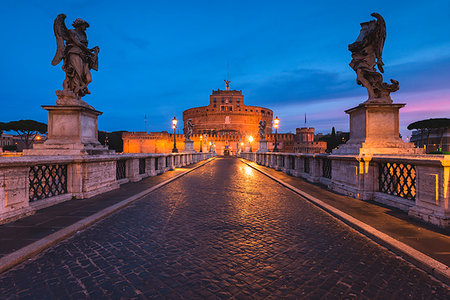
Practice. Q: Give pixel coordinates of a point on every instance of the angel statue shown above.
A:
(262, 130)
(367, 53)
(77, 58)
(188, 128)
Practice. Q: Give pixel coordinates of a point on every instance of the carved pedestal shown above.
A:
(262, 146)
(374, 129)
(72, 130)
(189, 146)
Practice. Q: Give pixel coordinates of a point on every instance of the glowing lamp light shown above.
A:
(250, 139)
(38, 138)
(174, 122)
(276, 122)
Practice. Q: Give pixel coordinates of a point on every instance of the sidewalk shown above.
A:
(28, 236)
(393, 223)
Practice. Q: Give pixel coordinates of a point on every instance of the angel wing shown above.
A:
(380, 38)
(61, 34)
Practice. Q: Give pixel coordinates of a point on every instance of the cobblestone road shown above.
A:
(222, 231)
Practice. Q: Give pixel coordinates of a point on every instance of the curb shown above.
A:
(16, 257)
(419, 259)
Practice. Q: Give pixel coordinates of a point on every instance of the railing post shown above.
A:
(132, 169)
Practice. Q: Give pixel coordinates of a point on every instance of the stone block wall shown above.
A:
(24, 188)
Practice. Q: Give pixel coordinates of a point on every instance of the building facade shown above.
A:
(304, 142)
(227, 112)
(225, 126)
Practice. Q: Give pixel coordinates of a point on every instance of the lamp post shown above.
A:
(242, 147)
(250, 139)
(201, 143)
(210, 146)
(275, 124)
(174, 126)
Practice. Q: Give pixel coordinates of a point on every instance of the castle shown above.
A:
(224, 126)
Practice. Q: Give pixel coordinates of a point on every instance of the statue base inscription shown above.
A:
(189, 146)
(374, 129)
(72, 130)
(262, 146)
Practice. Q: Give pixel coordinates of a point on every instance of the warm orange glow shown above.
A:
(174, 122)
(276, 122)
(250, 139)
(38, 138)
(242, 144)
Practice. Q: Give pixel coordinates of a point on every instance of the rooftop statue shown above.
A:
(262, 130)
(78, 59)
(367, 53)
(188, 128)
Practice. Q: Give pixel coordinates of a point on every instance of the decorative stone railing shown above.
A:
(416, 184)
(29, 183)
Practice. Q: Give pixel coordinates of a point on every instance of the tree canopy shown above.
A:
(26, 129)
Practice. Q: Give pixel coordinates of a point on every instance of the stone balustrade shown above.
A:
(29, 183)
(416, 184)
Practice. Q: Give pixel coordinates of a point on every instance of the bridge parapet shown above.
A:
(416, 184)
(29, 183)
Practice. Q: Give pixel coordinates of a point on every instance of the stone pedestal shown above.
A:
(189, 146)
(262, 146)
(374, 129)
(72, 129)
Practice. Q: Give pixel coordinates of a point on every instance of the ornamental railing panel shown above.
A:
(47, 181)
(141, 166)
(306, 165)
(326, 168)
(397, 179)
(121, 169)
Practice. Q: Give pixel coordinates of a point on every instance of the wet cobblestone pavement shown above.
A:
(222, 231)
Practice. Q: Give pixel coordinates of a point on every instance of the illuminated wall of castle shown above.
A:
(227, 112)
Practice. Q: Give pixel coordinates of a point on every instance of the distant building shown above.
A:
(227, 112)
(225, 125)
(304, 142)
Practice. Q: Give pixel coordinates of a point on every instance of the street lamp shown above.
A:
(275, 124)
(242, 146)
(210, 146)
(174, 126)
(250, 139)
(201, 143)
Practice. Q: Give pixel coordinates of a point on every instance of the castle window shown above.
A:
(215, 100)
(262, 111)
(215, 105)
(223, 100)
(251, 110)
(238, 105)
(231, 100)
(238, 100)
(245, 109)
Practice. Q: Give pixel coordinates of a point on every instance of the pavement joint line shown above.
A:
(421, 260)
(10, 260)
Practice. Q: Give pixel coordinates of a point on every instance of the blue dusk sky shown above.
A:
(161, 57)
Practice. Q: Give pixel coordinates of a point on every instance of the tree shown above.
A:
(26, 129)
